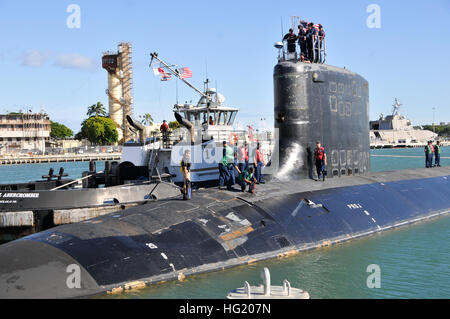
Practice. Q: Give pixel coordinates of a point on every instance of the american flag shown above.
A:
(185, 73)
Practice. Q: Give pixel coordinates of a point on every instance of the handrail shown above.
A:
(319, 47)
(75, 181)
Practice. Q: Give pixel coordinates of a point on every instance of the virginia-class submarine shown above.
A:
(170, 239)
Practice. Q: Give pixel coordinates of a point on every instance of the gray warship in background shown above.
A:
(396, 131)
(170, 239)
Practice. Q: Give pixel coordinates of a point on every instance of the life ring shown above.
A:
(233, 141)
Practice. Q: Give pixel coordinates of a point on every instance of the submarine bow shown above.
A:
(172, 239)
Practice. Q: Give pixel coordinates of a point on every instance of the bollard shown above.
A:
(107, 173)
(92, 167)
(287, 288)
(265, 275)
(247, 289)
(266, 291)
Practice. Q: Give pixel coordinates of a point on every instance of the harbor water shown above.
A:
(33, 172)
(414, 261)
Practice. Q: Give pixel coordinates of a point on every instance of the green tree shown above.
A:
(146, 119)
(99, 130)
(60, 131)
(441, 130)
(96, 110)
(79, 136)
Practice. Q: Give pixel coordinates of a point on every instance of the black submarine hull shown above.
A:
(172, 239)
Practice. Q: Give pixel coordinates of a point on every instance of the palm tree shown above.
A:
(97, 110)
(146, 119)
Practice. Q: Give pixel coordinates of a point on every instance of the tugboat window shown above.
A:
(232, 118)
(226, 117)
(190, 117)
(221, 118)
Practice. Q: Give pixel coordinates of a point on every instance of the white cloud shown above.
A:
(34, 58)
(75, 61)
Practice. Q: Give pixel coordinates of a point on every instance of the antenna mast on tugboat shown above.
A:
(177, 74)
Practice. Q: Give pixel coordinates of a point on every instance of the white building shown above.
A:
(19, 131)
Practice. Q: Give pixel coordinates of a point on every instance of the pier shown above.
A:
(380, 145)
(405, 156)
(40, 159)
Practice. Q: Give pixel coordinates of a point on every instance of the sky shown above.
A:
(46, 64)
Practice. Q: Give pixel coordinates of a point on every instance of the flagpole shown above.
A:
(177, 74)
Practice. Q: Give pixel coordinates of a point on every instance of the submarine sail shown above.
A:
(324, 103)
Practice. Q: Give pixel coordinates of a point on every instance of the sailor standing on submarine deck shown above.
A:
(186, 170)
(223, 168)
(437, 154)
(320, 158)
(243, 157)
(429, 149)
(226, 167)
(235, 171)
(259, 164)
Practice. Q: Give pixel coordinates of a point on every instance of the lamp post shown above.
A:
(434, 109)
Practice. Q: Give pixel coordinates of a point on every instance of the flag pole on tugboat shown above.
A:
(177, 74)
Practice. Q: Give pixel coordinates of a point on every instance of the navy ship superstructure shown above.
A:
(396, 131)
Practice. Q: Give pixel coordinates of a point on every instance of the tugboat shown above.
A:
(26, 208)
(149, 170)
(204, 127)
